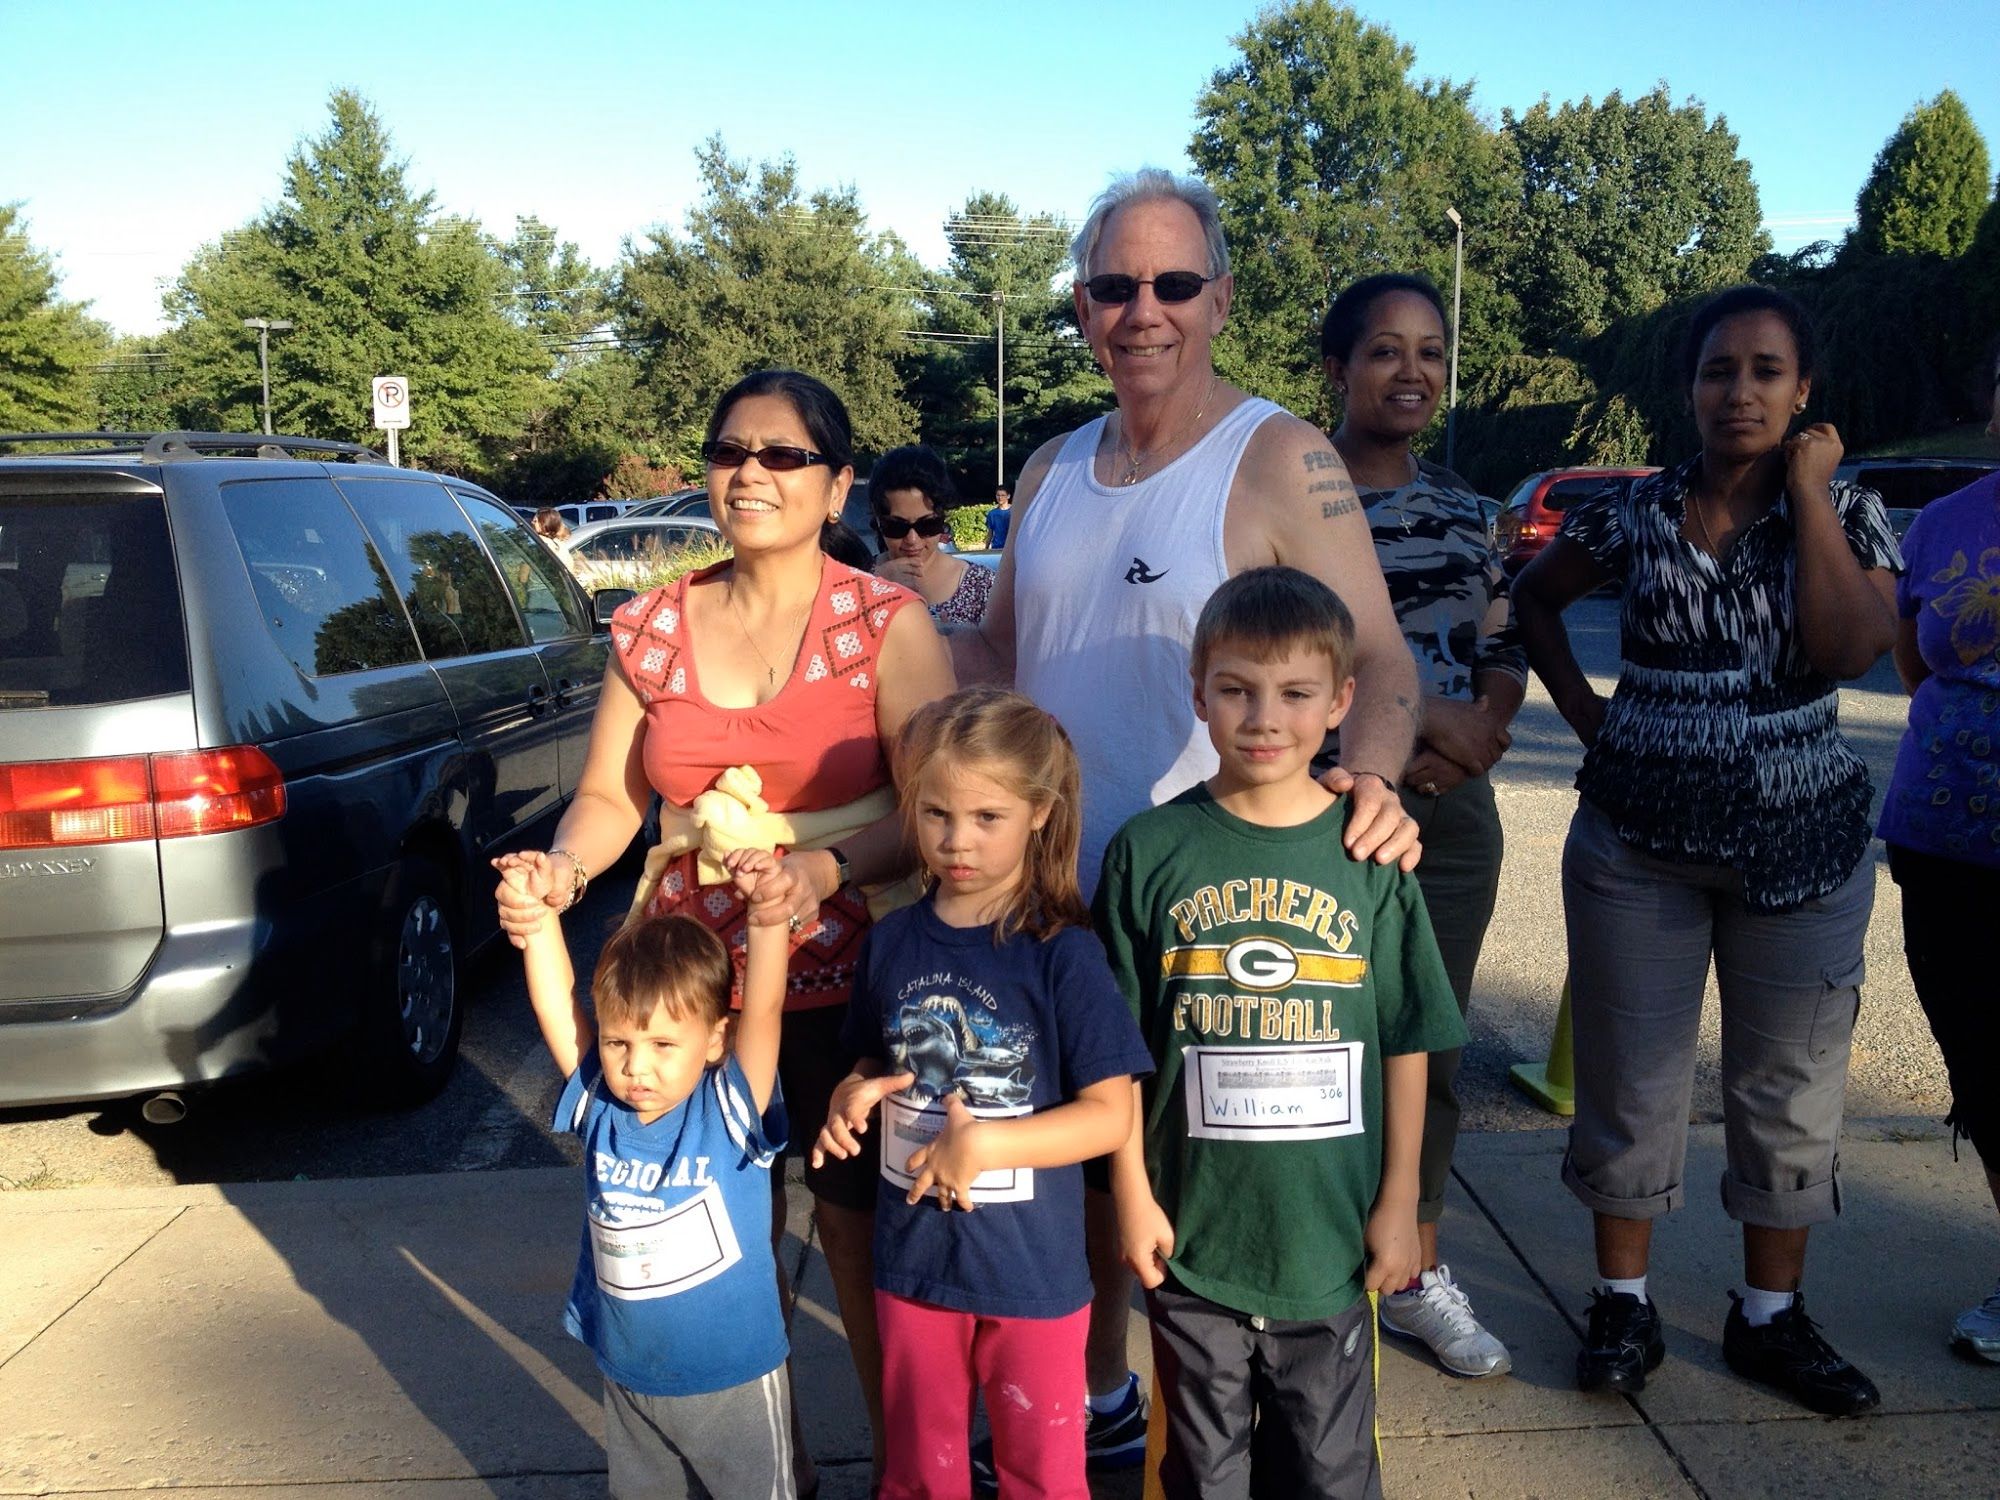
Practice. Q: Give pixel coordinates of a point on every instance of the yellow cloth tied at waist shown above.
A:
(733, 814)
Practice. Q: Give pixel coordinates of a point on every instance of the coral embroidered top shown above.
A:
(815, 745)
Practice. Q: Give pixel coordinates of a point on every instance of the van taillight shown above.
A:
(58, 804)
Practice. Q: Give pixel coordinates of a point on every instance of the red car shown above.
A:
(1533, 513)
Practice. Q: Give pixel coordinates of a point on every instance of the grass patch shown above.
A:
(1967, 440)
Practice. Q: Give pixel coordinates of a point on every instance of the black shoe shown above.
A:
(1789, 1353)
(1623, 1343)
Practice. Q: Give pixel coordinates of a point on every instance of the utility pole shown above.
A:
(1000, 389)
(1457, 278)
(265, 328)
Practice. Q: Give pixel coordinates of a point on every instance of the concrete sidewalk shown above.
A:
(399, 1337)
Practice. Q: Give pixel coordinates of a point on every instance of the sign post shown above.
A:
(392, 409)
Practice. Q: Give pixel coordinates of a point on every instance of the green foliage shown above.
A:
(767, 277)
(47, 345)
(131, 388)
(999, 256)
(968, 527)
(1928, 187)
(1626, 206)
(375, 283)
(1333, 164)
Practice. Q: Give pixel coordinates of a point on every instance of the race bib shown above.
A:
(1304, 1093)
(907, 1128)
(690, 1243)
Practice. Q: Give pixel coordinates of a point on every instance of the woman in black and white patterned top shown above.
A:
(1721, 813)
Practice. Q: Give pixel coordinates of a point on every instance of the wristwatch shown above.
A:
(842, 868)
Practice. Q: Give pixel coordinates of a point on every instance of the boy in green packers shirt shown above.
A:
(1289, 996)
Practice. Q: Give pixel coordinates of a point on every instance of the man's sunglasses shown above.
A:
(1169, 286)
(778, 458)
(895, 528)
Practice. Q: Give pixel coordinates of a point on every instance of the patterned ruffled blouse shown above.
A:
(1722, 744)
(1445, 581)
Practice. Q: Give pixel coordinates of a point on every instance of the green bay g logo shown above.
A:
(1260, 964)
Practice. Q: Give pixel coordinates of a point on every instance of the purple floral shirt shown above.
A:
(1944, 798)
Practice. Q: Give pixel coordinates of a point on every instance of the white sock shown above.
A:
(1105, 1405)
(1760, 1306)
(1634, 1286)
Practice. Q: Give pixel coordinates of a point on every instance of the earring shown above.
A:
(1799, 408)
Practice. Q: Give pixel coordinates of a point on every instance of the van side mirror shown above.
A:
(604, 603)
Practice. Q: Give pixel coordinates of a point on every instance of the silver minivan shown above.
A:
(267, 706)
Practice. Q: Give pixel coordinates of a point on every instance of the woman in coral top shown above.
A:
(788, 662)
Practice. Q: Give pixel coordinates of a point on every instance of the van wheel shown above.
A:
(416, 1006)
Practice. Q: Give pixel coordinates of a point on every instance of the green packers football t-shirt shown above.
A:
(1270, 974)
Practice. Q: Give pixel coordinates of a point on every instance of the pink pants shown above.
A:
(1031, 1371)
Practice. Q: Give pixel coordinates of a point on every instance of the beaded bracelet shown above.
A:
(579, 879)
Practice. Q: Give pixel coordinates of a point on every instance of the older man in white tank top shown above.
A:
(1121, 531)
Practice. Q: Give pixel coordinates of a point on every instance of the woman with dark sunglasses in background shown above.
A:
(910, 492)
(786, 661)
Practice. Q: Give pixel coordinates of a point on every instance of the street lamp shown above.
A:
(265, 328)
(1457, 277)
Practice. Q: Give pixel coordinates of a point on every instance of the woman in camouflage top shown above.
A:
(1385, 352)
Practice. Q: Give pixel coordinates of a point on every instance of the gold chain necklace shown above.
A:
(1701, 521)
(770, 672)
(1135, 461)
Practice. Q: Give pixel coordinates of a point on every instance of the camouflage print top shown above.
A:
(1445, 581)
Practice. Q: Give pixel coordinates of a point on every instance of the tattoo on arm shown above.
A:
(1329, 509)
(1411, 707)
(1322, 458)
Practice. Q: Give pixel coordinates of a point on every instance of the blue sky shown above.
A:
(140, 130)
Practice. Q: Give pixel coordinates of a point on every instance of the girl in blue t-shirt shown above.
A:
(1001, 1054)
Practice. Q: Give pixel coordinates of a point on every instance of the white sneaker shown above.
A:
(1978, 1329)
(1438, 1314)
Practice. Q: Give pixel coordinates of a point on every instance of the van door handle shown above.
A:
(538, 700)
(565, 692)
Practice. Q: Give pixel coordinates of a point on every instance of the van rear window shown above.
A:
(90, 609)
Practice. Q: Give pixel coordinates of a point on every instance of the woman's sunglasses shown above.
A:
(778, 458)
(1169, 286)
(895, 528)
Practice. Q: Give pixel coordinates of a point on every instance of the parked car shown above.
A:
(619, 541)
(574, 516)
(267, 707)
(1907, 485)
(854, 512)
(680, 503)
(1532, 513)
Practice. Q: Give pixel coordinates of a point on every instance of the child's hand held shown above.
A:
(951, 1162)
(1394, 1257)
(1146, 1241)
(854, 1100)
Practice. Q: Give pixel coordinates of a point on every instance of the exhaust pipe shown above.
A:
(166, 1108)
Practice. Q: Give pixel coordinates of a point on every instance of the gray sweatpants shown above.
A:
(1261, 1408)
(734, 1444)
(1641, 931)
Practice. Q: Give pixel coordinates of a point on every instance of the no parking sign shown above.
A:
(392, 401)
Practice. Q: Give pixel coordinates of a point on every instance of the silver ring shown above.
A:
(795, 922)
(1430, 789)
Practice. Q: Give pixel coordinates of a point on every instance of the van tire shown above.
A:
(415, 1007)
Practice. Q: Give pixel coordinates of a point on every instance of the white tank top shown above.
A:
(1108, 583)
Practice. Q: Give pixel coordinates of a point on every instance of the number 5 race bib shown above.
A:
(1303, 1093)
(907, 1128)
(691, 1243)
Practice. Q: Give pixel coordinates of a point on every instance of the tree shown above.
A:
(1000, 258)
(375, 282)
(1332, 164)
(132, 386)
(767, 277)
(1626, 206)
(1928, 186)
(47, 345)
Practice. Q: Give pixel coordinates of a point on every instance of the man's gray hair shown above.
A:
(1153, 185)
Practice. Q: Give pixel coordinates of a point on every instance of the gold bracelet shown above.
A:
(579, 877)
